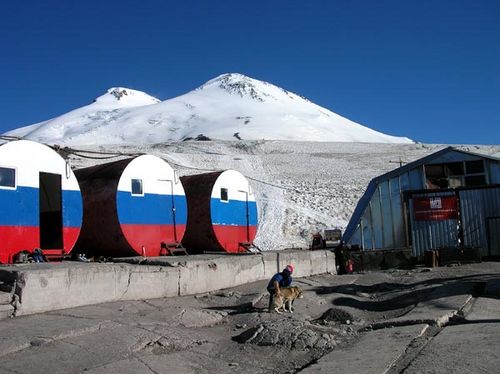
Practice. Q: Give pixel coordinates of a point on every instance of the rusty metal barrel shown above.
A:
(222, 212)
(131, 207)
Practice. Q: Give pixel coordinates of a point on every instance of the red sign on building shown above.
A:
(436, 208)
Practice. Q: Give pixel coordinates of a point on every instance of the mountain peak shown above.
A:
(229, 78)
(243, 86)
(125, 97)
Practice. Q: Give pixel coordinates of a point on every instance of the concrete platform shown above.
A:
(469, 348)
(43, 287)
(374, 353)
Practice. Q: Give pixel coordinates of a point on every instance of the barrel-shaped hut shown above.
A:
(131, 207)
(40, 199)
(222, 212)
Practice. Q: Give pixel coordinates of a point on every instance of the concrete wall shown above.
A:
(52, 286)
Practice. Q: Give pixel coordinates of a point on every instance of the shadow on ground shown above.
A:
(388, 296)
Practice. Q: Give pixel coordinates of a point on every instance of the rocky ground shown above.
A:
(441, 320)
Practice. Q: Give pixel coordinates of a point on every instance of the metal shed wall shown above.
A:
(480, 213)
(493, 233)
(432, 234)
(478, 222)
(494, 172)
(382, 223)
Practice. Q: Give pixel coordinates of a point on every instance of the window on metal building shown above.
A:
(223, 194)
(7, 177)
(474, 167)
(137, 187)
(455, 174)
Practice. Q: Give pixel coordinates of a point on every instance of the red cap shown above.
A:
(289, 268)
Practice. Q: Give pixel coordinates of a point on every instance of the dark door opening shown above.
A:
(493, 235)
(51, 222)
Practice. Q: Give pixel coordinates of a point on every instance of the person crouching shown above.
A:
(279, 280)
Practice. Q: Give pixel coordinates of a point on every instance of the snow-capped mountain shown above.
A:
(229, 107)
(119, 97)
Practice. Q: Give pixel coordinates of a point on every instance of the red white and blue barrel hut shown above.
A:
(222, 212)
(41, 204)
(131, 207)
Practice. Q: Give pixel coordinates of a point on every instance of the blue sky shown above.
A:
(429, 70)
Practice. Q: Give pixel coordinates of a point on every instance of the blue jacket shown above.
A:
(282, 280)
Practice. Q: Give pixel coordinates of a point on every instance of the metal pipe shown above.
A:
(247, 214)
(173, 204)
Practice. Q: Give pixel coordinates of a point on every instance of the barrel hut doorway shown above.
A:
(51, 218)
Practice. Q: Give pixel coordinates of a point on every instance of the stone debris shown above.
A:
(297, 335)
(226, 293)
(336, 315)
(170, 344)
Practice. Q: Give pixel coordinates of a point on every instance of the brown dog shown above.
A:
(287, 296)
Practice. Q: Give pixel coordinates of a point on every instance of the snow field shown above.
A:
(300, 187)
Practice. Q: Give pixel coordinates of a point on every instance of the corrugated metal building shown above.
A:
(446, 199)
